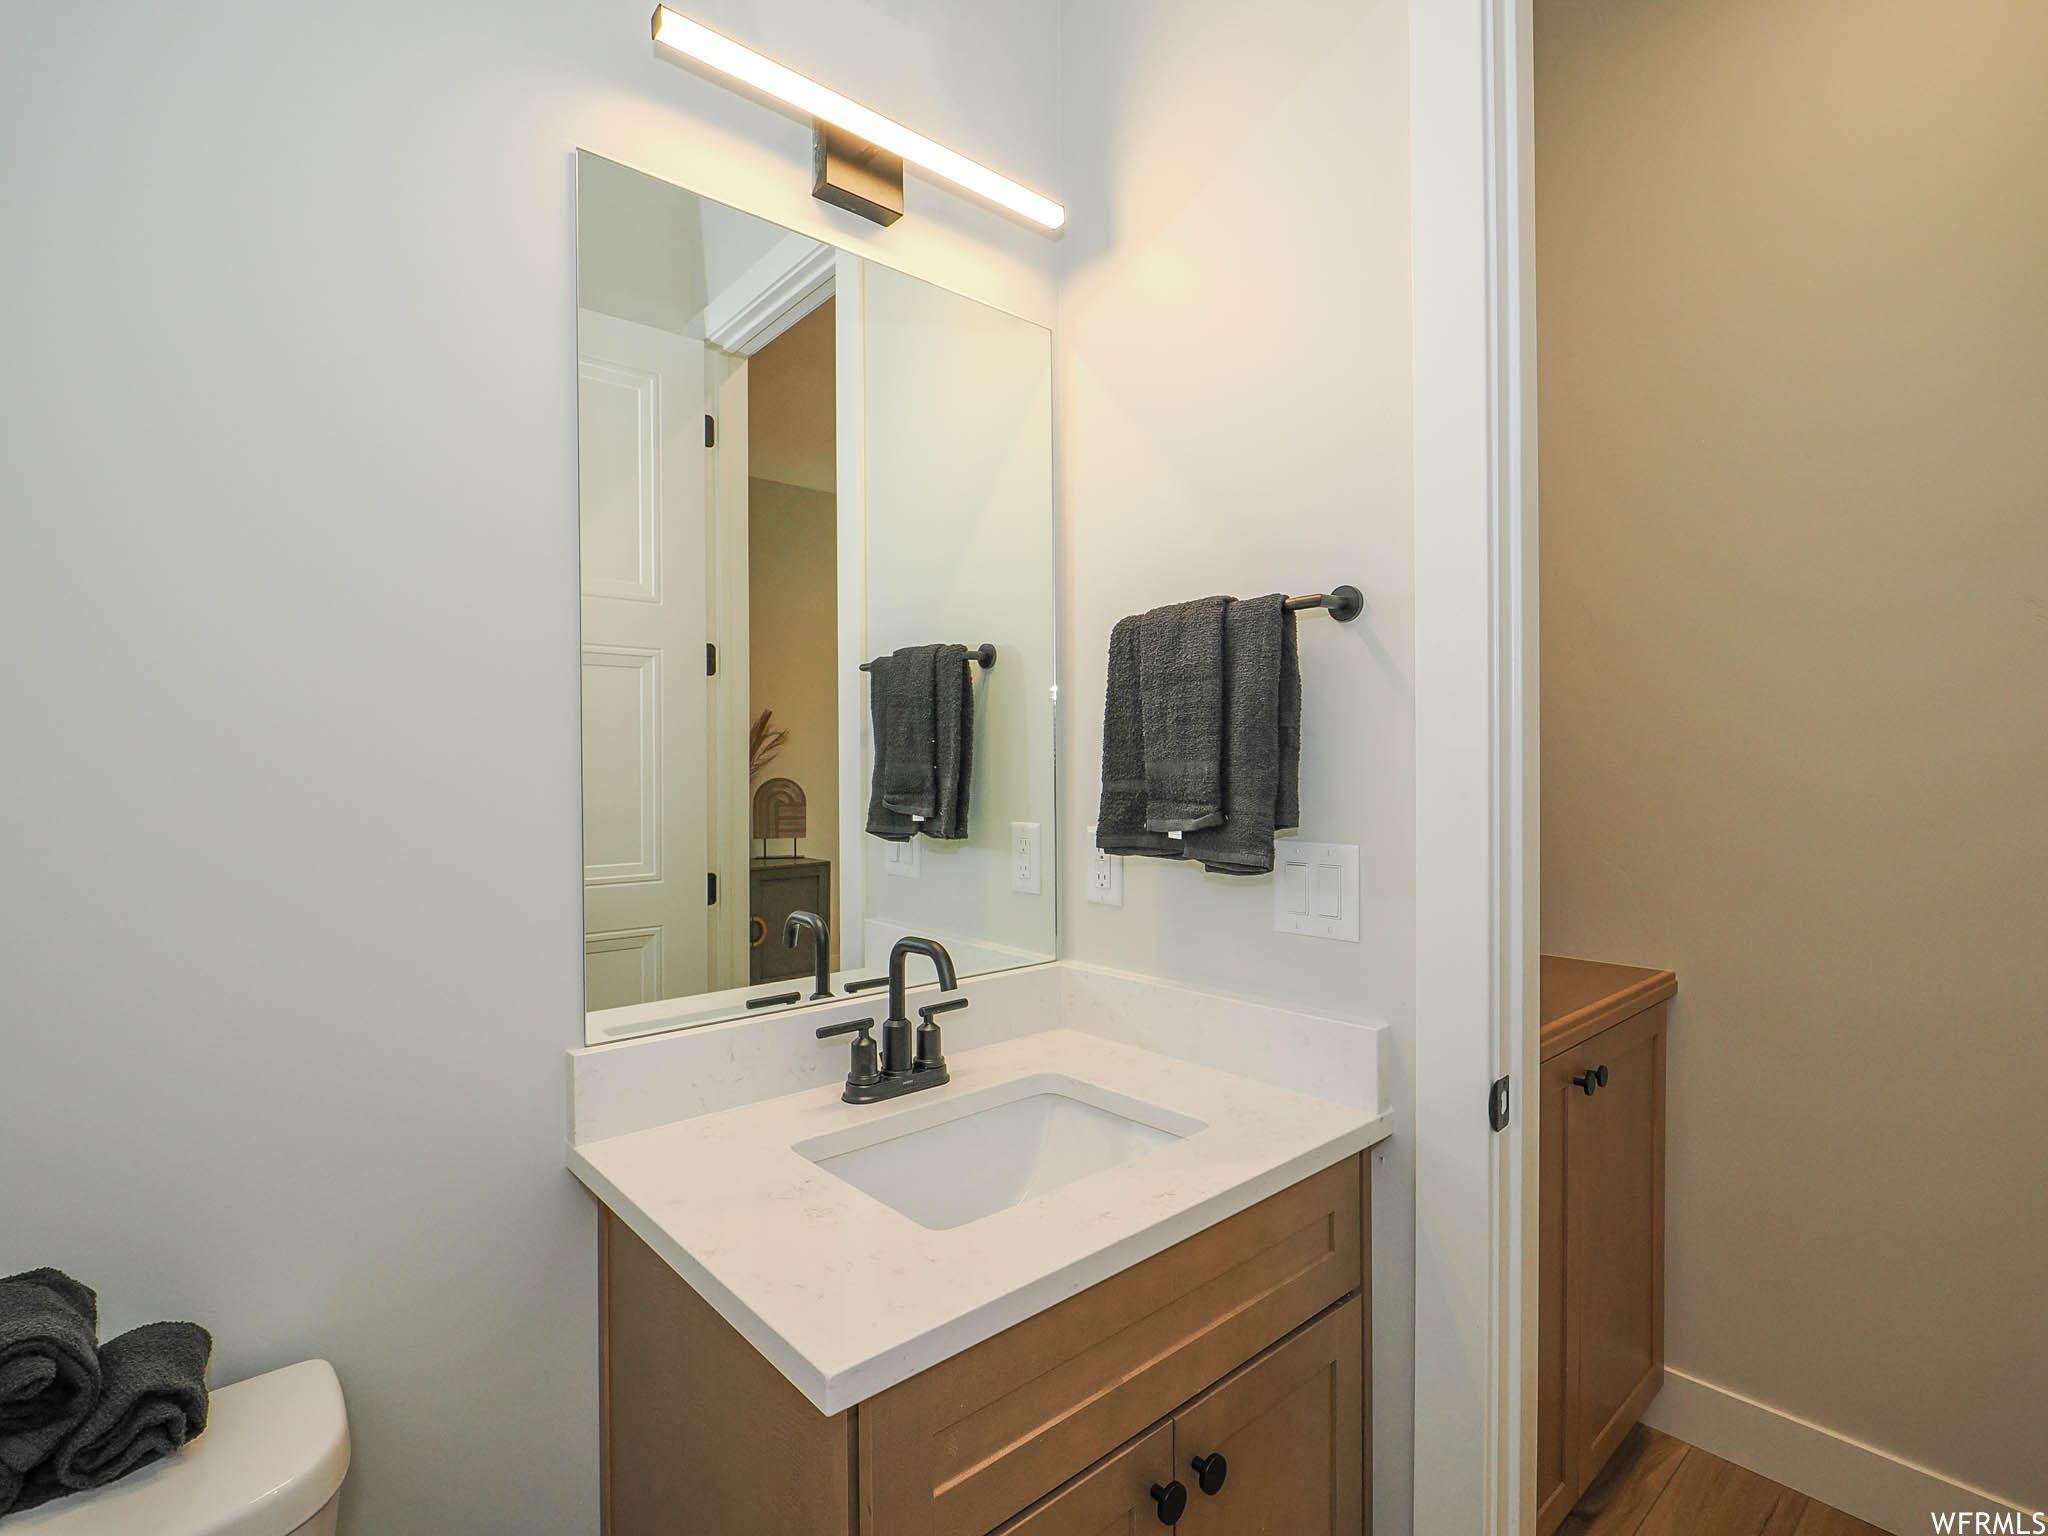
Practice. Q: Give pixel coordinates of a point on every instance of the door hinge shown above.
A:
(710, 659)
(710, 890)
(710, 431)
(1497, 1106)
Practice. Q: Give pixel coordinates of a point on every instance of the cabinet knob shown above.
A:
(1591, 1081)
(1172, 1499)
(1211, 1470)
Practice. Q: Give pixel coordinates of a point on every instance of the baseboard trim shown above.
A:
(1888, 1491)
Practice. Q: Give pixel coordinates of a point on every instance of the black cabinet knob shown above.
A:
(1172, 1499)
(1210, 1471)
(1591, 1081)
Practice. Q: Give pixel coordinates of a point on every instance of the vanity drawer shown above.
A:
(963, 1446)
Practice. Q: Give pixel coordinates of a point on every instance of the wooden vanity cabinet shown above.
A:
(1600, 1307)
(1246, 1340)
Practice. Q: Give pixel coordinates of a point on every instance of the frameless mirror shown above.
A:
(793, 463)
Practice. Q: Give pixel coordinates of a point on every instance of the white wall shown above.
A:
(1234, 387)
(290, 893)
(958, 496)
(1793, 288)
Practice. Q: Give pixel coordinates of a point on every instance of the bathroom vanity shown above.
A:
(1093, 1283)
(1233, 1361)
(1600, 1318)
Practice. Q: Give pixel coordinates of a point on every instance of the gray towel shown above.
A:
(152, 1401)
(49, 1370)
(1120, 819)
(953, 740)
(1261, 739)
(905, 716)
(921, 703)
(1180, 696)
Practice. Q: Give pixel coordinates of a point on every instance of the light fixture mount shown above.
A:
(848, 172)
(870, 149)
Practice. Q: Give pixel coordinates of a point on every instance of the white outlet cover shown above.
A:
(902, 859)
(1025, 876)
(1315, 889)
(1105, 875)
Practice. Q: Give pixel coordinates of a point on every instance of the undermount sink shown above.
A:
(955, 1161)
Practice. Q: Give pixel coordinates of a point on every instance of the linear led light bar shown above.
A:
(699, 42)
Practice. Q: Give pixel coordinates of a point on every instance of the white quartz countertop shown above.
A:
(847, 1297)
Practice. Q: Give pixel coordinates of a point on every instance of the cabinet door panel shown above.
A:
(965, 1444)
(1113, 1500)
(1289, 1426)
(1614, 1226)
(1557, 1468)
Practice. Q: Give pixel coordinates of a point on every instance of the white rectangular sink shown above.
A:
(960, 1159)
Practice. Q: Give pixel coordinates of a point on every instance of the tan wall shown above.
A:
(1793, 278)
(793, 593)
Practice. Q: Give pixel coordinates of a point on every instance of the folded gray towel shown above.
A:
(152, 1401)
(49, 1370)
(1261, 739)
(953, 740)
(921, 703)
(904, 708)
(1180, 695)
(1120, 818)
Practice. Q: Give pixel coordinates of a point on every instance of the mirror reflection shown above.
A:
(818, 615)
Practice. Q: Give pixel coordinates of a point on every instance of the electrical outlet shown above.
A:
(1105, 875)
(1024, 873)
(901, 859)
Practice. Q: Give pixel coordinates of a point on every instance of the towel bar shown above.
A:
(1345, 604)
(983, 653)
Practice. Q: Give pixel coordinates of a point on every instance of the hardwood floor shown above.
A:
(1658, 1486)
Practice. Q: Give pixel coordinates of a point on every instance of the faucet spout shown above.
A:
(821, 935)
(931, 949)
(897, 1056)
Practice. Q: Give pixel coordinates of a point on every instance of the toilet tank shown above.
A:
(270, 1464)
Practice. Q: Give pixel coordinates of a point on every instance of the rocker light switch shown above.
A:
(1315, 889)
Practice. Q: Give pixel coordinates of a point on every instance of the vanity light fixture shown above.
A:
(859, 153)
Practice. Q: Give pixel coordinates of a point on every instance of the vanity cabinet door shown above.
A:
(1115, 1499)
(1290, 1429)
(1614, 1234)
(1557, 1462)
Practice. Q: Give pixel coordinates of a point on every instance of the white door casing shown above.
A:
(641, 484)
(1476, 766)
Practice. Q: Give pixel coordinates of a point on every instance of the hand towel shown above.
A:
(900, 686)
(1261, 739)
(953, 740)
(1180, 697)
(1120, 818)
(49, 1370)
(152, 1401)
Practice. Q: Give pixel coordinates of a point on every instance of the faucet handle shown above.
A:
(867, 1067)
(945, 1007)
(929, 1057)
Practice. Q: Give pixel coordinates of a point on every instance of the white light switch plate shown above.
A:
(1024, 875)
(1315, 889)
(902, 858)
(1105, 875)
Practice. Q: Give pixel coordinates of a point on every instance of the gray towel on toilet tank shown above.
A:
(49, 1370)
(1261, 739)
(1180, 697)
(152, 1401)
(1120, 819)
(921, 705)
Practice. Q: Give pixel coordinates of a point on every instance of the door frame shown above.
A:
(1476, 729)
(795, 278)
